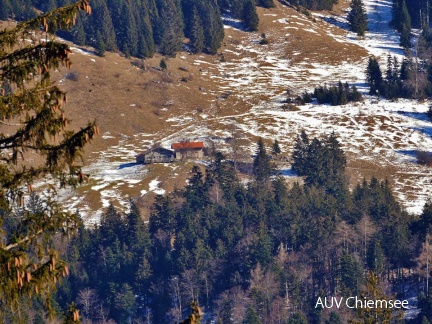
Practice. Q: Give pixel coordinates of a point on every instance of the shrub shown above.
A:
(264, 41)
(290, 107)
(139, 64)
(424, 158)
(163, 65)
(339, 94)
(307, 97)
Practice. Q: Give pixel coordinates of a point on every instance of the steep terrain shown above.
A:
(238, 93)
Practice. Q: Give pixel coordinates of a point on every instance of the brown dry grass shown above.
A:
(130, 96)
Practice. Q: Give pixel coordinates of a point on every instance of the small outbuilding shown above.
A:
(157, 155)
(188, 150)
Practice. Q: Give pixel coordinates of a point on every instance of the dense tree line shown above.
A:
(138, 27)
(315, 4)
(335, 95)
(419, 12)
(256, 253)
(143, 27)
(410, 13)
(411, 78)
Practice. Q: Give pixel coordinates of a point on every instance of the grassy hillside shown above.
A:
(239, 93)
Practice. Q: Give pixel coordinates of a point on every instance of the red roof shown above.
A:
(187, 145)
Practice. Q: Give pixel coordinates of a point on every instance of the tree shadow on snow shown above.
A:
(425, 130)
(415, 115)
(332, 21)
(127, 165)
(410, 153)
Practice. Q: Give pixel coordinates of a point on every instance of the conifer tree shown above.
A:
(252, 316)
(146, 46)
(336, 159)
(34, 106)
(334, 319)
(395, 22)
(402, 22)
(405, 37)
(300, 153)
(129, 32)
(197, 32)
(169, 35)
(276, 148)
(298, 318)
(250, 16)
(5, 9)
(261, 164)
(266, 3)
(389, 71)
(163, 65)
(404, 17)
(213, 27)
(78, 33)
(374, 75)
(357, 17)
(405, 69)
(102, 19)
(351, 273)
(100, 45)
(315, 170)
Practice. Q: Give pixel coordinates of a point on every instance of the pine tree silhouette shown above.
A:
(357, 17)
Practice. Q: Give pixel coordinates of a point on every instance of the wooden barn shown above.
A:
(157, 155)
(188, 150)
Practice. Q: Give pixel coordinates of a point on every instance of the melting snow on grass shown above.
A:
(381, 131)
(154, 187)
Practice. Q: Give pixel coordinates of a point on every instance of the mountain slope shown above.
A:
(239, 93)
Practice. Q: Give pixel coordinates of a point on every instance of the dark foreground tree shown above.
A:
(33, 124)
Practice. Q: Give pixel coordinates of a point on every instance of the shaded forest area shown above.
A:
(256, 253)
(142, 27)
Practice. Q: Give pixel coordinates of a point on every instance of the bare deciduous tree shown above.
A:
(366, 229)
(423, 261)
(176, 297)
(278, 311)
(232, 305)
(190, 284)
(88, 299)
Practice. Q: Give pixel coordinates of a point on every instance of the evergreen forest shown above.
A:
(143, 27)
(256, 253)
